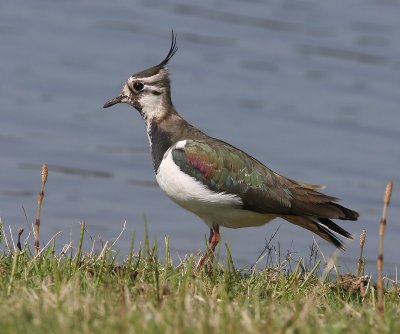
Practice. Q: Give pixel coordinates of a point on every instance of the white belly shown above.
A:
(214, 208)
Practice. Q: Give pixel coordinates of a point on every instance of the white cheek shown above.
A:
(126, 91)
(151, 105)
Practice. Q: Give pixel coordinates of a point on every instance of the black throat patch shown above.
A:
(160, 142)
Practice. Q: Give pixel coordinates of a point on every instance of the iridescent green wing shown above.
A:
(224, 168)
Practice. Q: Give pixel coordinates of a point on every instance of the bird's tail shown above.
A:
(324, 227)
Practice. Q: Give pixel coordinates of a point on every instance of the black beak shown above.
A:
(114, 100)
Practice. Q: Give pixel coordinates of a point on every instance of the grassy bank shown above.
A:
(84, 291)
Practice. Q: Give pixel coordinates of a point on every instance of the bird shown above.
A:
(218, 182)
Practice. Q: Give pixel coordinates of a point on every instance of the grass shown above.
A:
(81, 291)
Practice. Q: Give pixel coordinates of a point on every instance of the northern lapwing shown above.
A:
(216, 181)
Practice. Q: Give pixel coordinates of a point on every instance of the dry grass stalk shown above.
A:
(36, 227)
(382, 226)
(361, 260)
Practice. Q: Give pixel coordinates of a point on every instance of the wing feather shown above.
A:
(224, 168)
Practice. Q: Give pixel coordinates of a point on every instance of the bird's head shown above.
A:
(149, 90)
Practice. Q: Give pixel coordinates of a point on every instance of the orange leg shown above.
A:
(213, 240)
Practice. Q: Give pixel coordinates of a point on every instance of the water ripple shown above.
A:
(69, 170)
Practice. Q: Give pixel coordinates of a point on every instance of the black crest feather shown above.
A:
(171, 52)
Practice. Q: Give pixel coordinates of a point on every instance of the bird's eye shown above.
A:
(138, 86)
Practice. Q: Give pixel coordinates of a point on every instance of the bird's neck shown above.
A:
(166, 131)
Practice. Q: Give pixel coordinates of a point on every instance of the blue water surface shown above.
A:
(311, 88)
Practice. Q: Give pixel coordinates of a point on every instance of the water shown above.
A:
(311, 88)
